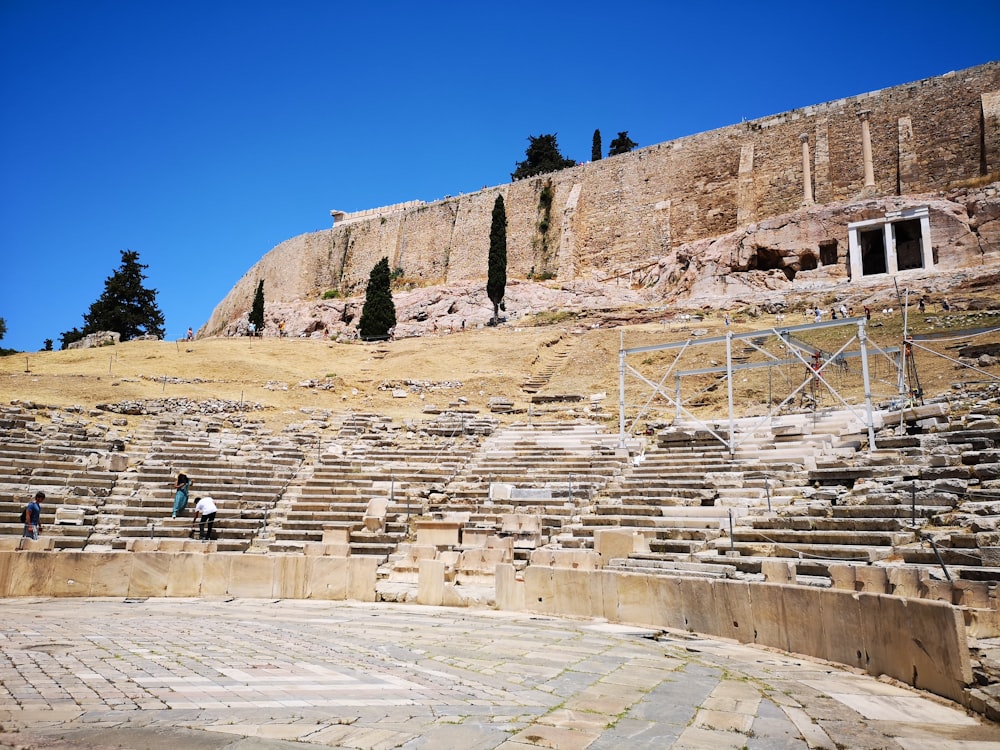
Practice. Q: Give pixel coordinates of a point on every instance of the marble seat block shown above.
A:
(172, 545)
(37, 545)
(331, 549)
(871, 580)
(336, 533)
(438, 533)
(843, 577)
(149, 574)
(509, 590)
(778, 571)
(253, 577)
(614, 544)
(904, 582)
(570, 559)
(70, 515)
(374, 519)
(185, 574)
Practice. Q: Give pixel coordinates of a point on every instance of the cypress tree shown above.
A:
(257, 310)
(378, 316)
(595, 149)
(622, 144)
(496, 280)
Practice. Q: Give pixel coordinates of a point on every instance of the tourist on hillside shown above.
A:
(181, 488)
(205, 510)
(32, 514)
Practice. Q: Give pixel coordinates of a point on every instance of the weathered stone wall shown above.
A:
(622, 213)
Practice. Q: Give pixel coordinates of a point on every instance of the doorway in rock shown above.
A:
(909, 247)
(873, 251)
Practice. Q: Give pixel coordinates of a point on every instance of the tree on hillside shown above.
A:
(3, 328)
(595, 149)
(125, 306)
(68, 337)
(378, 315)
(257, 309)
(542, 156)
(622, 144)
(496, 280)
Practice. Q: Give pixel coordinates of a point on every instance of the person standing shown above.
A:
(181, 488)
(32, 516)
(205, 510)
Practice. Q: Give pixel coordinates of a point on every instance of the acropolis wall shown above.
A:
(924, 138)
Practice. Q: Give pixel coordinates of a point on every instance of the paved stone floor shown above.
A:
(241, 674)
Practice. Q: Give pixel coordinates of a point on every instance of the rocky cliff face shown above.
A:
(771, 264)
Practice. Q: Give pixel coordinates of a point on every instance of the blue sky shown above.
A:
(202, 133)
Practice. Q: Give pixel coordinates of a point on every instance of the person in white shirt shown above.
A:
(204, 511)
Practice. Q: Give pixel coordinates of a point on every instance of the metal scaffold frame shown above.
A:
(801, 353)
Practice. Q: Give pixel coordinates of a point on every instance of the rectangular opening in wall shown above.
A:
(909, 248)
(872, 251)
(828, 253)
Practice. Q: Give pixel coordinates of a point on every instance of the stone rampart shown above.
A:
(617, 214)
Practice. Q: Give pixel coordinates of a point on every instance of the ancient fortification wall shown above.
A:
(620, 213)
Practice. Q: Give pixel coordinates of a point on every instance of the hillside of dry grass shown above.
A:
(572, 358)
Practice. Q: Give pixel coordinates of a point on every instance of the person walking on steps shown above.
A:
(32, 514)
(205, 510)
(181, 488)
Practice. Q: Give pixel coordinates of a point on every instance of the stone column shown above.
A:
(866, 149)
(807, 188)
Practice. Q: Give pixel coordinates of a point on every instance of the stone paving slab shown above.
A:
(275, 675)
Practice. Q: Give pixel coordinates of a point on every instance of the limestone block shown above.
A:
(500, 491)
(700, 612)
(475, 537)
(142, 545)
(981, 623)
(171, 545)
(362, 572)
(778, 571)
(216, 573)
(520, 523)
(904, 582)
(289, 578)
(326, 578)
(117, 462)
(10, 543)
(933, 656)
(149, 574)
(734, 610)
(871, 580)
(253, 577)
(332, 549)
(430, 583)
(972, 594)
(843, 577)
(934, 590)
(71, 573)
(640, 601)
(37, 545)
(539, 590)
(574, 592)
(185, 574)
(509, 590)
(111, 573)
(28, 572)
(613, 544)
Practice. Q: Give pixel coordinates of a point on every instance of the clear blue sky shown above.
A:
(202, 133)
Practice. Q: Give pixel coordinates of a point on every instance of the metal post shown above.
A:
(732, 542)
(863, 340)
(767, 488)
(621, 390)
(729, 380)
(913, 501)
(938, 556)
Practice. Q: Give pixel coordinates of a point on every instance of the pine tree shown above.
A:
(542, 155)
(595, 149)
(622, 144)
(496, 280)
(126, 306)
(256, 318)
(378, 316)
